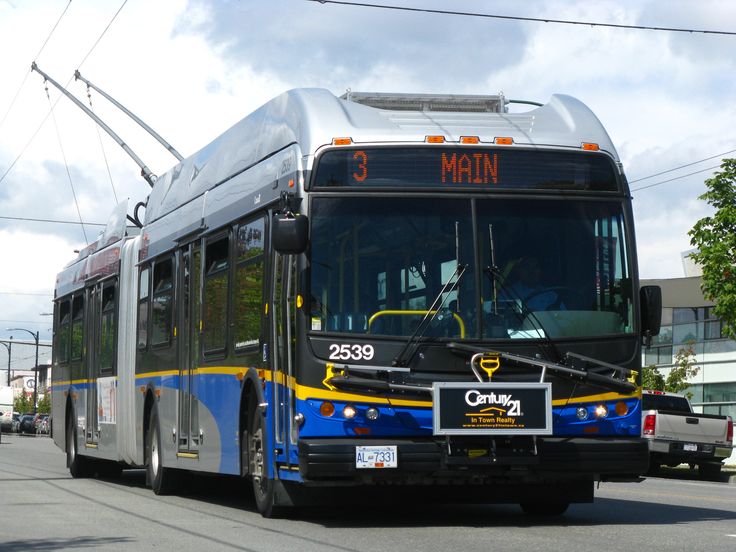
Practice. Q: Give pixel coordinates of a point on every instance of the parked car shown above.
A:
(15, 426)
(27, 424)
(677, 435)
(42, 424)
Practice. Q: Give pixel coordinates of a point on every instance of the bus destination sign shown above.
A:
(492, 408)
(464, 168)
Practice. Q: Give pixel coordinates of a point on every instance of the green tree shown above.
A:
(677, 380)
(715, 239)
(684, 369)
(44, 404)
(23, 403)
(651, 378)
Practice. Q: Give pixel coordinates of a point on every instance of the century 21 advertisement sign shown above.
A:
(492, 408)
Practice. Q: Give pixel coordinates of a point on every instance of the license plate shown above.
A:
(690, 447)
(376, 457)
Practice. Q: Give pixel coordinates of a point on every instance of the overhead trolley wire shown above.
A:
(682, 166)
(51, 221)
(520, 18)
(103, 33)
(12, 102)
(66, 164)
(43, 122)
(674, 178)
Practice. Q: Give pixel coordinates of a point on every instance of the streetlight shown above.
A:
(9, 347)
(35, 370)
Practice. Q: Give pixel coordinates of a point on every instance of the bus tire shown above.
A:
(544, 509)
(159, 478)
(264, 488)
(79, 466)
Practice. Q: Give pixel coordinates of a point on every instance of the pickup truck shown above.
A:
(677, 435)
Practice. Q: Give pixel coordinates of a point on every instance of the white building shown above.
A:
(688, 320)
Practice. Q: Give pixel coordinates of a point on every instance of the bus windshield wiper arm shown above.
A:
(409, 349)
(545, 366)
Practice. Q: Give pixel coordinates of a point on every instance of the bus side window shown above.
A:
(162, 302)
(248, 284)
(77, 327)
(107, 328)
(62, 332)
(216, 282)
(143, 292)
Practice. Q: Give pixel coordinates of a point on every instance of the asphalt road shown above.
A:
(42, 508)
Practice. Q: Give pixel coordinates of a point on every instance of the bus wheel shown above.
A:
(79, 466)
(544, 509)
(263, 486)
(159, 478)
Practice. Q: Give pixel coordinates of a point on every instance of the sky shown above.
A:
(191, 69)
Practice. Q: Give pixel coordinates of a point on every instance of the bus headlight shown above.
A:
(601, 411)
(372, 414)
(581, 413)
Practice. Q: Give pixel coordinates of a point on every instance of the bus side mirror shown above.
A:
(290, 233)
(651, 310)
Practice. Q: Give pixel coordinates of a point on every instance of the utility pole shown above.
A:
(35, 368)
(9, 347)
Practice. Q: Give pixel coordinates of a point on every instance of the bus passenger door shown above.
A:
(90, 358)
(189, 264)
(282, 333)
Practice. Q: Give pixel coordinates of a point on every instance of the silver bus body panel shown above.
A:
(129, 449)
(312, 117)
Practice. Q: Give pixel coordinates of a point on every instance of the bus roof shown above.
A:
(312, 117)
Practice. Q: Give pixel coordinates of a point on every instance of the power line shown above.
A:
(681, 166)
(68, 173)
(675, 178)
(519, 18)
(50, 221)
(43, 122)
(103, 33)
(12, 102)
(49, 294)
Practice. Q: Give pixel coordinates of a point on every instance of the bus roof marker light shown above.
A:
(469, 140)
(589, 146)
(438, 139)
(342, 141)
(503, 140)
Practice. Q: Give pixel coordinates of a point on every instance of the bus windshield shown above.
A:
(535, 268)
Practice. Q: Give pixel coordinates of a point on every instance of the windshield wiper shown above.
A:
(409, 349)
(545, 366)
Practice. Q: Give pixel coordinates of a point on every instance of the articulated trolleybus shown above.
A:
(375, 290)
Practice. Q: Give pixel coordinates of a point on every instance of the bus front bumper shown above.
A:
(457, 459)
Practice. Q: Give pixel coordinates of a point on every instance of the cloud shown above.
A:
(335, 46)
